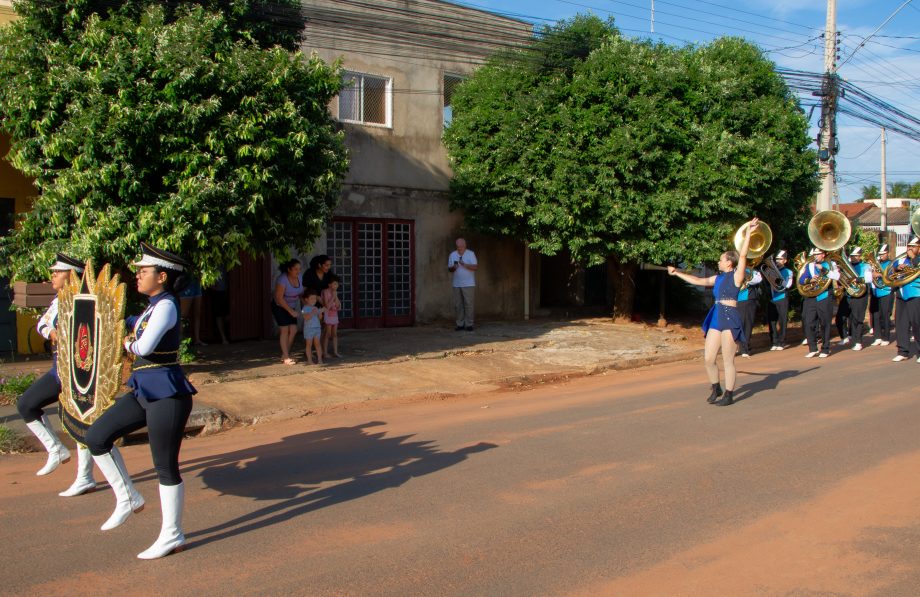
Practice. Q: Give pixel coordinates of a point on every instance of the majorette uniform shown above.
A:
(160, 399)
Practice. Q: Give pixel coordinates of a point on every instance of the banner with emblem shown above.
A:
(90, 331)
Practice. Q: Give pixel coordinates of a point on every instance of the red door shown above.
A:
(375, 260)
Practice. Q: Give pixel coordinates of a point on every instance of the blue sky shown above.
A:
(887, 65)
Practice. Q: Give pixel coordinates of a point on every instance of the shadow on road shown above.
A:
(298, 471)
(770, 381)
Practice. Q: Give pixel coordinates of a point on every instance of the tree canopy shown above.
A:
(188, 125)
(633, 150)
(896, 190)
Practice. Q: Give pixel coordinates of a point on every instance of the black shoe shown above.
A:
(716, 392)
(459, 328)
(469, 328)
(726, 400)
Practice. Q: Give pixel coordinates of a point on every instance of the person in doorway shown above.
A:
(778, 309)
(722, 326)
(463, 265)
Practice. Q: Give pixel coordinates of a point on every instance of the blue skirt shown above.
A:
(157, 383)
(722, 317)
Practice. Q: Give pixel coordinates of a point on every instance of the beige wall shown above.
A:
(6, 11)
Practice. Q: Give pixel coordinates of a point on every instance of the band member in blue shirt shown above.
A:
(882, 302)
(907, 313)
(817, 311)
(858, 305)
(778, 309)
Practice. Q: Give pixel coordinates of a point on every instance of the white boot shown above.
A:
(133, 493)
(171, 539)
(57, 452)
(84, 483)
(124, 490)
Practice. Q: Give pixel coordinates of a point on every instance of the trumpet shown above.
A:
(761, 239)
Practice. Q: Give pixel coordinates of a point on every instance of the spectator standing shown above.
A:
(220, 304)
(190, 306)
(286, 304)
(463, 265)
(312, 325)
(332, 304)
(317, 277)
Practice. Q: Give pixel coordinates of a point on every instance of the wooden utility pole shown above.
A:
(884, 218)
(828, 144)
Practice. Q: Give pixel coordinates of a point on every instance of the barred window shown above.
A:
(450, 83)
(365, 99)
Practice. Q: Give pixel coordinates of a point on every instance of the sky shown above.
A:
(887, 64)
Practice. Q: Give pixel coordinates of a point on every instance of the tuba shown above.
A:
(909, 272)
(772, 275)
(761, 239)
(878, 277)
(829, 231)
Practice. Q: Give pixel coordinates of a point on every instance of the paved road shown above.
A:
(621, 484)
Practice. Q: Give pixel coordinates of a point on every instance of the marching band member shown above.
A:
(858, 305)
(882, 303)
(817, 311)
(747, 307)
(160, 399)
(907, 314)
(723, 323)
(45, 391)
(778, 309)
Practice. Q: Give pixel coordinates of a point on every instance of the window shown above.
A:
(365, 99)
(450, 84)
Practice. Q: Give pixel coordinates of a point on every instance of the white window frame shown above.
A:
(359, 85)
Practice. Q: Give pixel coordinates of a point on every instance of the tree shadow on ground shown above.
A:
(770, 381)
(309, 471)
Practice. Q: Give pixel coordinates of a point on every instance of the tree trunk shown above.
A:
(622, 280)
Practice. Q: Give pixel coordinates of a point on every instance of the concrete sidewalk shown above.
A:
(245, 383)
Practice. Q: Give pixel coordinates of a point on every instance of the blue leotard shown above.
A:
(723, 317)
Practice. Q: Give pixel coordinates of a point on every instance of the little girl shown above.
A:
(332, 304)
(312, 328)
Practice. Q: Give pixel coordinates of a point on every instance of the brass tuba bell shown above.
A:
(761, 239)
(830, 231)
(908, 273)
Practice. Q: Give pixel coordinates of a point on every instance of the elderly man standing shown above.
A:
(462, 263)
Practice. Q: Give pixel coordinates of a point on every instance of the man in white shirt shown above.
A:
(462, 263)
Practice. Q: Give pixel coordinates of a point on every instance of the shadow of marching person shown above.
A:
(295, 473)
(770, 381)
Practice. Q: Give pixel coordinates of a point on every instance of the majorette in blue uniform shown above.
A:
(723, 316)
(160, 399)
(907, 313)
(45, 391)
(881, 303)
(778, 309)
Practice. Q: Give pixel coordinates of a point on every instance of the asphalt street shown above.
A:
(626, 483)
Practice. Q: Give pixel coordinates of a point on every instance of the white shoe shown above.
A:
(899, 358)
(772, 348)
(57, 452)
(84, 483)
(780, 348)
(877, 342)
(823, 355)
(845, 341)
(857, 346)
(123, 488)
(171, 539)
(811, 355)
(745, 355)
(885, 342)
(805, 342)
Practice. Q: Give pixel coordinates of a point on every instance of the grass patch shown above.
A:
(11, 442)
(14, 385)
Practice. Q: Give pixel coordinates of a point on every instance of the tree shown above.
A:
(637, 152)
(185, 125)
(871, 192)
(896, 190)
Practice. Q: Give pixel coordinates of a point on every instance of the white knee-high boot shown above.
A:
(127, 499)
(84, 483)
(171, 539)
(57, 452)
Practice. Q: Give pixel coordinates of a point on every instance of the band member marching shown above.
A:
(160, 399)
(747, 307)
(817, 311)
(882, 302)
(907, 313)
(46, 389)
(722, 325)
(859, 304)
(778, 309)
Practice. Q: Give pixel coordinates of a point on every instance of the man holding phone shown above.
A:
(462, 264)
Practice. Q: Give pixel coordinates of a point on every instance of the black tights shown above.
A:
(43, 391)
(165, 421)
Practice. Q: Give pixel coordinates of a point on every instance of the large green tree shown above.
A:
(195, 126)
(631, 151)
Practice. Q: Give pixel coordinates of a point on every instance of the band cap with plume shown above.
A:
(152, 256)
(883, 248)
(856, 252)
(65, 263)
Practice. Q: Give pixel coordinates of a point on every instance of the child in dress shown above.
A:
(312, 327)
(332, 305)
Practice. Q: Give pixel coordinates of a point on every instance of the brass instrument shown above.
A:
(829, 231)
(909, 273)
(772, 275)
(878, 277)
(761, 239)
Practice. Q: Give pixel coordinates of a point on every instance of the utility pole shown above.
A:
(828, 141)
(653, 17)
(884, 219)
